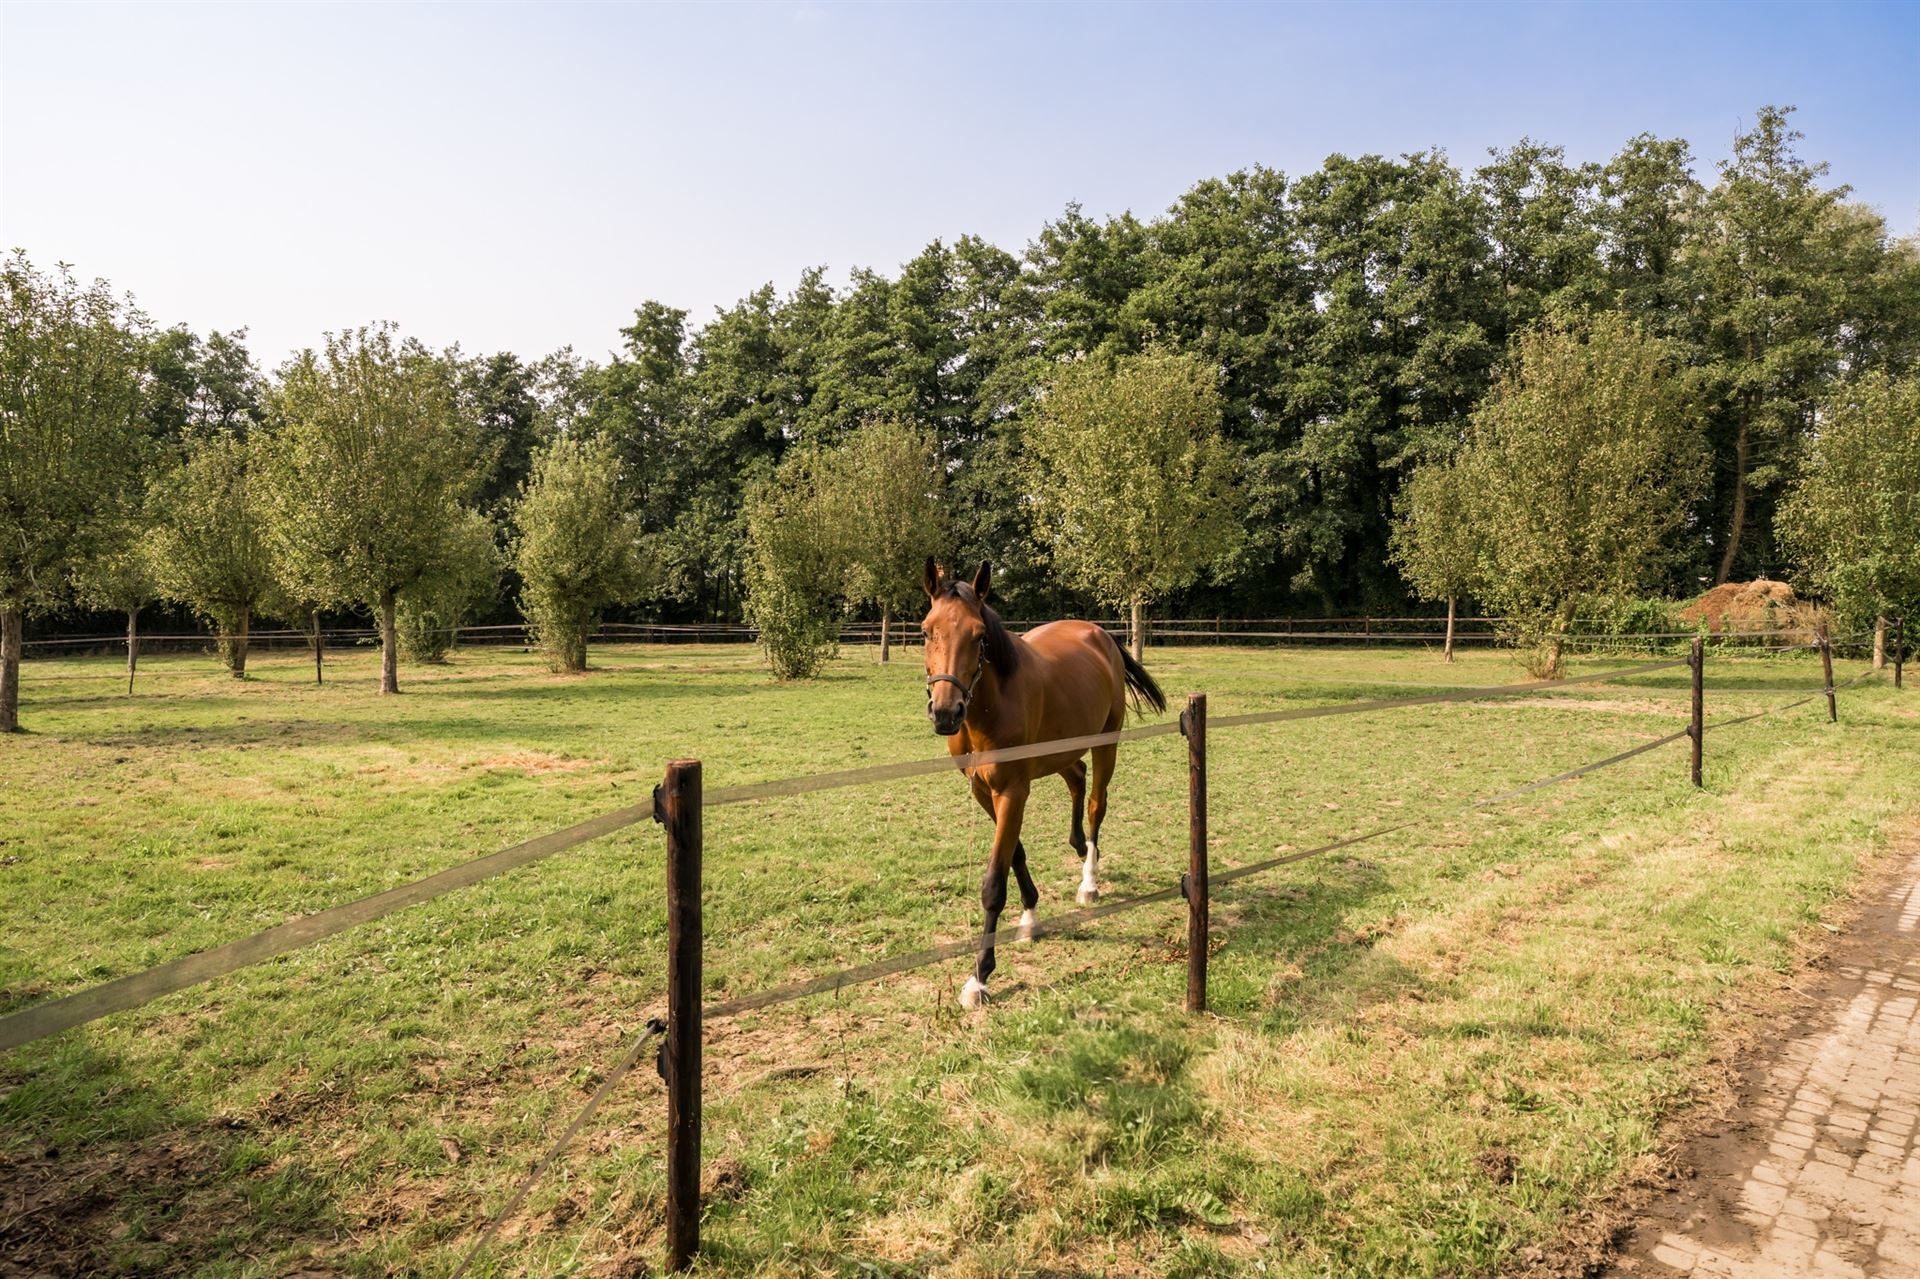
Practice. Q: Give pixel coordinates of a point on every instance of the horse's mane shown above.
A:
(1002, 653)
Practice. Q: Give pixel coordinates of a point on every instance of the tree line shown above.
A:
(1315, 341)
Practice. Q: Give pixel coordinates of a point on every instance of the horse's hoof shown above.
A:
(1087, 896)
(973, 994)
(1027, 920)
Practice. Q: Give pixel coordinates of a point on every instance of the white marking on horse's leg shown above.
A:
(1089, 876)
(1028, 918)
(973, 994)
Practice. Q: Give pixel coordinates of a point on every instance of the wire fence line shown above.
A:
(1069, 924)
(123, 993)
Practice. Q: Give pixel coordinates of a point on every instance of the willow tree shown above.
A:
(210, 537)
(1436, 542)
(883, 485)
(370, 471)
(1578, 467)
(577, 546)
(71, 440)
(1135, 489)
(1852, 521)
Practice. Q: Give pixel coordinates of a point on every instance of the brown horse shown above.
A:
(987, 689)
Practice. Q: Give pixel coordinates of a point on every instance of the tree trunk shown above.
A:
(886, 635)
(1738, 524)
(1880, 642)
(133, 645)
(233, 645)
(319, 645)
(389, 646)
(1556, 666)
(9, 669)
(1139, 632)
(1449, 628)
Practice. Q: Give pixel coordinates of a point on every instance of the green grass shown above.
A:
(1425, 1052)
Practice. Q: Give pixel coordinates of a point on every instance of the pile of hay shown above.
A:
(1763, 605)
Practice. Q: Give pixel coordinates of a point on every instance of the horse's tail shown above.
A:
(1145, 687)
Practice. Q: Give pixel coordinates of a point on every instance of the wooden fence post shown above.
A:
(1699, 729)
(1826, 662)
(678, 808)
(1193, 723)
(1899, 647)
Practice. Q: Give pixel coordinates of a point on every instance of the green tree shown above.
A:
(432, 611)
(198, 387)
(577, 546)
(123, 580)
(796, 566)
(1578, 466)
(210, 536)
(371, 471)
(72, 437)
(1436, 542)
(1852, 521)
(1383, 379)
(882, 493)
(1773, 267)
(1135, 490)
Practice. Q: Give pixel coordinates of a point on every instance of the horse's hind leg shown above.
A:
(1076, 780)
(1098, 776)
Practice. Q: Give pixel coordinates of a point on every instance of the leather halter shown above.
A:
(966, 689)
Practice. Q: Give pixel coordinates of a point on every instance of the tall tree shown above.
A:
(1135, 490)
(1231, 283)
(1578, 466)
(499, 395)
(1648, 205)
(1398, 358)
(1852, 520)
(1769, 271)
(1541, 233)
(577, 546)
(72, 436)
(372, 467)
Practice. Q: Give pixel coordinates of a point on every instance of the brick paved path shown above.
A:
(1820, 1173)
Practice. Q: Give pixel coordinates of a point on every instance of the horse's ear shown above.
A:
(932, 578)
(982, 580)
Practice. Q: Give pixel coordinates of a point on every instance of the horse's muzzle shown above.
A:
(946, 722)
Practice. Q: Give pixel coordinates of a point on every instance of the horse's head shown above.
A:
(957, 629)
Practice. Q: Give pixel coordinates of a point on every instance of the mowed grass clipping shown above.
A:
(1425, 1054)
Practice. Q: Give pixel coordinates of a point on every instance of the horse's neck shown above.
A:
(993, 713)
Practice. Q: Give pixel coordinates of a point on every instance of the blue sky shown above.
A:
(521, 176)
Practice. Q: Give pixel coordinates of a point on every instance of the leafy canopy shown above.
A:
(1853, 520)
(1135, 490)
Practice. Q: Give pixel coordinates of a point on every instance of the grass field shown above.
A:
(1427, 1055)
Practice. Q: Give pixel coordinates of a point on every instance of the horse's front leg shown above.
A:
(1029, 891)
(1009, 807)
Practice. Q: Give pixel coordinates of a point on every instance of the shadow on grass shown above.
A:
(101, 1173)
